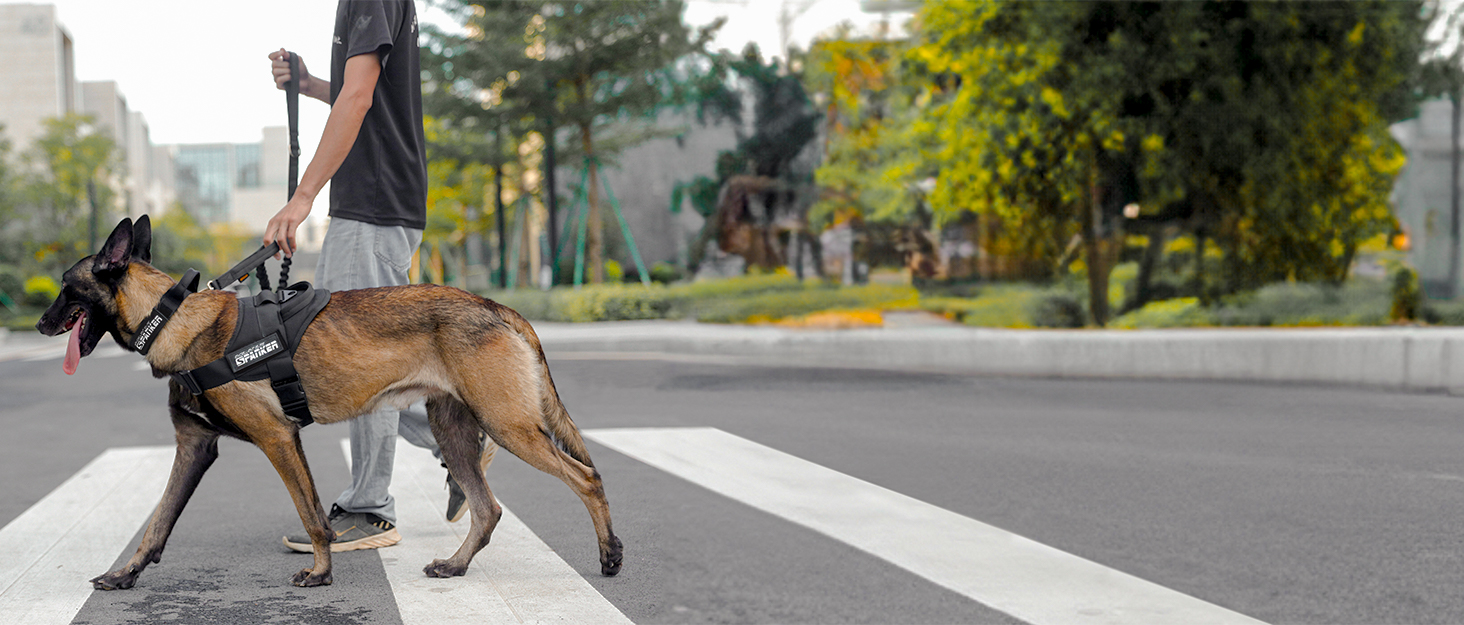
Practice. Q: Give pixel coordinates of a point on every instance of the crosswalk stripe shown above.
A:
(48, 553)
(1026, 579)
(517, 578)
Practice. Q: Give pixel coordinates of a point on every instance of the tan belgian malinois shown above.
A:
(478, 364)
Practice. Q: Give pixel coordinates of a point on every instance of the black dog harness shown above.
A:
(266, 335)
(269, 324)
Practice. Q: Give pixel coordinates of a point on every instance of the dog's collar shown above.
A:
(142, 340)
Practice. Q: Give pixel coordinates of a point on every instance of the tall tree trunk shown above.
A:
(551, 192)
(1453, 290)
(1095, 246)
(1143, 284)
(594, 240)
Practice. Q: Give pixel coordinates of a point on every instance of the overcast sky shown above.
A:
(198, 72)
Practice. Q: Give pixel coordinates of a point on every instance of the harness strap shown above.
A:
(148, 332)
(282, 375)
(267, 354)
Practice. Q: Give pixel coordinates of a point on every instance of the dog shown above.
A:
(478, 364)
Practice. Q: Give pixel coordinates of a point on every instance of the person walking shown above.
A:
(373, 152)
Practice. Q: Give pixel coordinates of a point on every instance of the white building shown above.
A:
(39, 71)
(40, 83)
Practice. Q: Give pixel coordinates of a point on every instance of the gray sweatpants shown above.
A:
(358, 255)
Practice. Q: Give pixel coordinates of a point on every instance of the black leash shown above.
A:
(240, 272)
(270, 330)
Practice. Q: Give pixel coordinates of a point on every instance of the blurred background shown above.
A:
(812, 163)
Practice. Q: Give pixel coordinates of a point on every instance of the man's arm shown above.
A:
(310, 86)
(357, 88)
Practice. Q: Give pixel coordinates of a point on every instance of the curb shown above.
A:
(1409, 359)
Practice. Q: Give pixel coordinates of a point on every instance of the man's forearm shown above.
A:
(336, 140)
(316, 88)
(344, 123)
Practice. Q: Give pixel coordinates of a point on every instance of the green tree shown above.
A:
(52, 213)
(1266, 121)
(604, 69)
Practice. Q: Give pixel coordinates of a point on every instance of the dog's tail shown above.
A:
(557, 423)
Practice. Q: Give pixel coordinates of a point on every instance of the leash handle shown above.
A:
(240, 272)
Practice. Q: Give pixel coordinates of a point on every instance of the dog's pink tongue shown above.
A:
(73, 348)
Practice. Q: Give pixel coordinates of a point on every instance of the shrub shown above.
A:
(1360, 302)
(998, 306)
(775, 305)
(1407, 297)
(531, 303)
(1175, 313)
(609, 302)
(1059, 310)
(41, 290)
(665, 273)
(12, 282)
(1444, 313)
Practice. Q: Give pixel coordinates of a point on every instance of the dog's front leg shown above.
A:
(288, 457)
(198, 447)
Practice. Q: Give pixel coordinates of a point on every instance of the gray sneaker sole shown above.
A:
(375, 541)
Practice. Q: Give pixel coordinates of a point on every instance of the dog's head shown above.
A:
(87, 305)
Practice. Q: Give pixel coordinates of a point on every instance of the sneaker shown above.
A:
(354, 530)
(455, 501)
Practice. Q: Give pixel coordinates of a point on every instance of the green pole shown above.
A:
(625, 230)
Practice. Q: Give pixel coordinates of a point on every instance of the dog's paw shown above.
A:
(611, 558)
(120, 579)
(307, 578)
(444, 568)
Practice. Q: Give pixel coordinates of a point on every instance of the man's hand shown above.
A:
(281, 68)
(310, 86)
(281, 227)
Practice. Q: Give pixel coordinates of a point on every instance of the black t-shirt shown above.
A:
(383, 180)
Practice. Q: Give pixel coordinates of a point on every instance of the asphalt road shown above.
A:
(1286, 504)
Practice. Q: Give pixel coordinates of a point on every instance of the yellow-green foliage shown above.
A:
(1182, 312)
(1001, 306)
(775, 305)
(736, 300)
(41, 290)
(603, 302)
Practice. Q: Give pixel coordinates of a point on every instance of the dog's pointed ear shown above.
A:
(142, 239)
(117, 251)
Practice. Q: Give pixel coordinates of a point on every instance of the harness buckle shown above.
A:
(187, 381)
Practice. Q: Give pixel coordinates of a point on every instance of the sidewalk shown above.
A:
(1411, 359)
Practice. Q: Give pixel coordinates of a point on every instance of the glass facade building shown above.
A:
(207, 175)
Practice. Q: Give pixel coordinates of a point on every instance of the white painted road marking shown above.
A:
(76, 532)
(517, 578)
(1018, 576)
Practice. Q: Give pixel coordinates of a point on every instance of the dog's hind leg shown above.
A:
(520, 410)
(198, 447)
(535, 447)
(457, 432)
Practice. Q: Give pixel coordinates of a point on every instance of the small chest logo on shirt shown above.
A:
(255, 352)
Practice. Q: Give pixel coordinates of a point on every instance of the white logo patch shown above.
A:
(259, 350)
